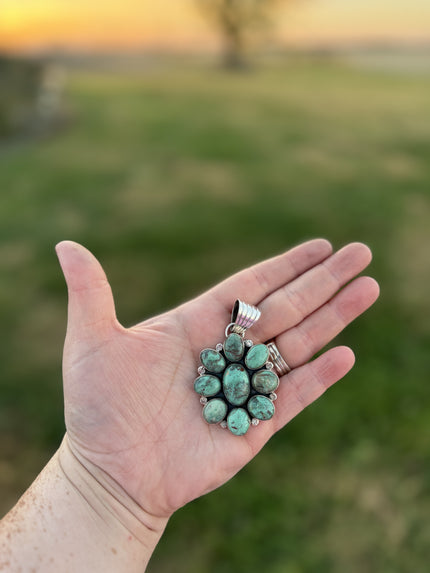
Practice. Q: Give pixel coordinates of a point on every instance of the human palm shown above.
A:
(129, 401)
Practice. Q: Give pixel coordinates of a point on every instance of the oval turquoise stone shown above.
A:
(236, 384)
(233, 347)
(215, 411)
(265, 381)
(238, 421)
(261, 407)
(257, 356)
(212, 360)
(207, 385)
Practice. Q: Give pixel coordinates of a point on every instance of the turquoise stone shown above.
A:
(257, 356)
(236, 384)
(233, 347)
(238, 421)
(261, 407)
(207, 385)
(212, 360)
(215, 411)
(265, 381)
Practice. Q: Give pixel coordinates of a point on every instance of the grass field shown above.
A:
(177, 177)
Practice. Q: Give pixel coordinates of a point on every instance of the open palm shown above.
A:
(129, 401)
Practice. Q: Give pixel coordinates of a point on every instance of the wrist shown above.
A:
(75, 518)
(127, 528)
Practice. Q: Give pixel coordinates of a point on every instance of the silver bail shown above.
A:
(243, 316)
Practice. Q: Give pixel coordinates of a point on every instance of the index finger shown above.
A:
(255, 283)
(210, 311)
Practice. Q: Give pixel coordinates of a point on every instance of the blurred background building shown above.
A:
(181, 141)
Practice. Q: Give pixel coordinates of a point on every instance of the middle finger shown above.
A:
(289, 305)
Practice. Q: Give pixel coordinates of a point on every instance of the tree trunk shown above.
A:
(232, 29)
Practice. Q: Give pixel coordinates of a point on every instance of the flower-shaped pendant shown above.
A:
(237, 383)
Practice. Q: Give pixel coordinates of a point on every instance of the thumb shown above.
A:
(91, 308)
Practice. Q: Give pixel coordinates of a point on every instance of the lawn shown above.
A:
(175, 178)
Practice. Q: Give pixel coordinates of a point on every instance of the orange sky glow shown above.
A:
(27, 25)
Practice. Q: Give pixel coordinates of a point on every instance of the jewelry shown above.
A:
(236, 381)
(279, 363)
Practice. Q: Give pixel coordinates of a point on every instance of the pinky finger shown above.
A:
(304, 385)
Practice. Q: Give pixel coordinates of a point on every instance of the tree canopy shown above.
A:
(235, 21)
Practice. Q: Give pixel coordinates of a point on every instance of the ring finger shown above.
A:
(291, 304)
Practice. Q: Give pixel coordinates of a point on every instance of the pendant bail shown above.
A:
(243, 316)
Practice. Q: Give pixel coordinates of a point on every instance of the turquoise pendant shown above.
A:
(236, 381)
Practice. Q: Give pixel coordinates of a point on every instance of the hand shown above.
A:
(130, 406)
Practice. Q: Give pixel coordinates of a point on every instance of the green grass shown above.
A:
(175, 179)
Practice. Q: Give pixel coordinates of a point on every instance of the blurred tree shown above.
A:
(235, 20)
(20, 80)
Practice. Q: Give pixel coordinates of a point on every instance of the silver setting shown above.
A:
(223, 424)
(249, 343)
(201, 370)
(269, 365)
(203, 400)
(255, 421)
(219, 347)
(273, 396)
(281, 367)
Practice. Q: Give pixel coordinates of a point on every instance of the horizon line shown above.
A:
(160, 49)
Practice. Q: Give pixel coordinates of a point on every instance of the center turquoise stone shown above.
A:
(235, 384)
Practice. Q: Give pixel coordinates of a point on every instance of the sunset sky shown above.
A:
(178, 24)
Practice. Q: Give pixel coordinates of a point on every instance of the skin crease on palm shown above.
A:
(130, 407)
